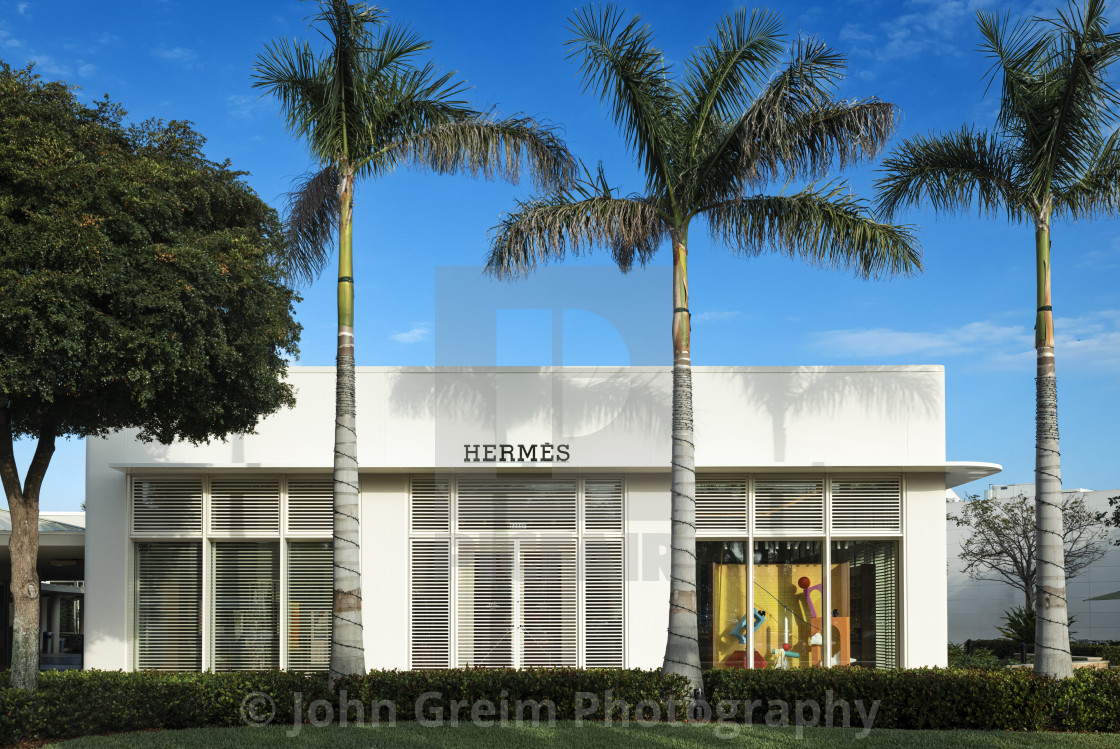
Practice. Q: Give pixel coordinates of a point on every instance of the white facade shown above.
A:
(423, 435)
(977, 606)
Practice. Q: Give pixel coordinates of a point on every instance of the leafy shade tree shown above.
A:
(1002, 546)
(363, 107)
(139, 288)
(707, 139)
(1049, 156)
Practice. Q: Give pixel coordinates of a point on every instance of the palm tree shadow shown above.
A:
(887, 395)
(592, 409)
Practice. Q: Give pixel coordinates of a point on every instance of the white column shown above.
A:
(54, 608)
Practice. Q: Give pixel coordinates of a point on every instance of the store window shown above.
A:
(865, 603)
(787, 620)
(246, 606)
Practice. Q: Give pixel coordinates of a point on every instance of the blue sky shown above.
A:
(971, 310)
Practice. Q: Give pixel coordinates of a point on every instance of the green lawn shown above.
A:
(564, 735)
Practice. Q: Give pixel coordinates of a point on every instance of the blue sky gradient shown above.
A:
(971, 310)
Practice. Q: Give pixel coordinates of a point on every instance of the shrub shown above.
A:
(79, 703)
(979, 658)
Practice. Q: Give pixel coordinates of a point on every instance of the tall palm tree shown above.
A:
(1047, 157)
(363, 107)
(707, 140)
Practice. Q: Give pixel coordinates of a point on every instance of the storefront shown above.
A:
(519, 517)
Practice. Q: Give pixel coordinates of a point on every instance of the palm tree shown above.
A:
(706, 141)
(1046, 158)
(363, 107)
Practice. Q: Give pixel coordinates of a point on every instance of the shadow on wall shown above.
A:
(798, 391)
(569, 405)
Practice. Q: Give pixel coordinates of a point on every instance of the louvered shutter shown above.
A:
(431, 505)
(603, 606)
(488, 505)
(485, 611)
(721, 504)
(549, 626)
(602, 505)
(867, 504)
(171, 505)
(310, 593)
(246, 606)
(886, 604)
(169, 606)
(791, 505)
(311, 506)
(430, 625)
(245, 507)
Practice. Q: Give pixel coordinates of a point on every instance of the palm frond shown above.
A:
(310, 222)
(481, 145)
(575, 221)
(795, 129)
(1055, 94)
(721, 76)
(953, 172)
(630, 76)
(1097, 191)
(827, 228)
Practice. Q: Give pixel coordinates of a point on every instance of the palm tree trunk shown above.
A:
(1051, 648)
(24, 549)
(347, 647)
(682, 648)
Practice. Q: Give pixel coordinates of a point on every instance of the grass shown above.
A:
(563, 735)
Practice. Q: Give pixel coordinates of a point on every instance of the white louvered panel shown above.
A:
(602, 615)
(246, 606)
(310, 593)
(431, 603)
(169, 606)
(867, 504)
(166, 506)
(789, 504)
(602, 505)
(484, 614)
(311, 506)
(431, 505)
(886, 604)
(538, 505)
(245, 507)
(549, 626)
(721, 504)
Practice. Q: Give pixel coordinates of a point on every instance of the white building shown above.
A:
(977, 606)
(520, 517)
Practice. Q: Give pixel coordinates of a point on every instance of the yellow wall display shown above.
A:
(779, 597)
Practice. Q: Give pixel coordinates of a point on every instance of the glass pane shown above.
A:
(246, 606)
(310, 592)
(721, 577)
(169, 606)
(787, 600)
(865, 603)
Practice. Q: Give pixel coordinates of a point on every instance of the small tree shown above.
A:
(1114, 518)
(139, 288)
(1001, 542)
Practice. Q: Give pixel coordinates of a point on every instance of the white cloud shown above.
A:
(22, 10)
(85, 71)
(885, 342)
(419, 332)
(716, 315)
(175, 54)
(1086, 344)
(242, 106)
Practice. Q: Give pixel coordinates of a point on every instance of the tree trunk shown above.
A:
(682, 648)
(1051, 647)
(347, 647)
(24, 547)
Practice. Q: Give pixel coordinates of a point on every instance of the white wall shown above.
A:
(611, 417)
(647, 569)
(924, 611)
(977, 606)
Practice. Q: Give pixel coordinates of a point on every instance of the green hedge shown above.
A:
(1007, 699)
(79, 703)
